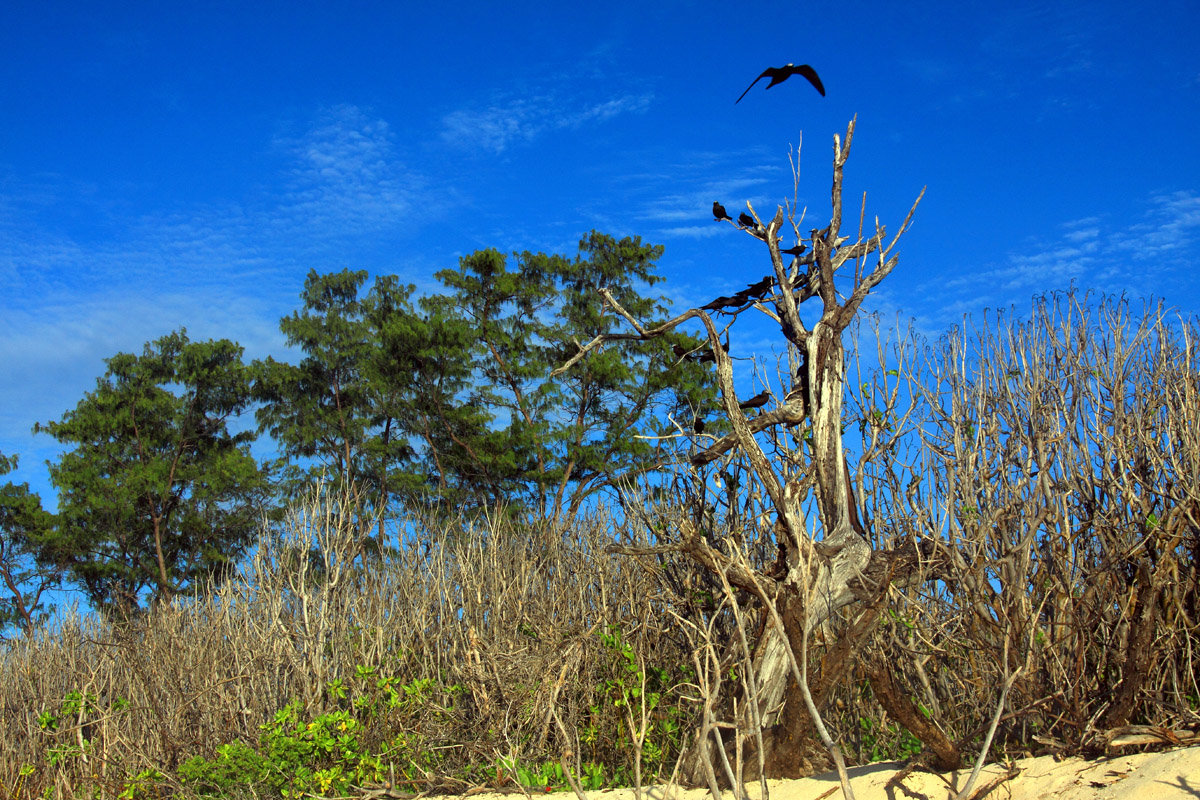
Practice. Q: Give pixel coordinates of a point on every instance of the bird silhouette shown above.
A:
(719, 212)
(698, 425)
(758, 401)
(793, 251)
(710, 357)
(746, 221)
(757, 290)
(781, 74)
(722, 302)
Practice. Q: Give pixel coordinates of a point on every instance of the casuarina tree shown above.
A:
(561, 439)
(156, 494)
(449, 399)
(25, 582)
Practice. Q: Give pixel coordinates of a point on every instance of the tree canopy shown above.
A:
(22, 520)
(156, 493)
(451, 398)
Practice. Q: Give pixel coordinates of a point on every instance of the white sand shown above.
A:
(1144, 776)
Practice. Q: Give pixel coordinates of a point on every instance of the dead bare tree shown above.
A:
(814, 576)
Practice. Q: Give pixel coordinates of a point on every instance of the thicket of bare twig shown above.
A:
(1057, 460)
(500, 632)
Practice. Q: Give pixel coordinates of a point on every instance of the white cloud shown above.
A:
(693, 232)
(509, 122)
(495, 128)
(1151, 255)
(346, 175)
(223, 269)
(1168, 230)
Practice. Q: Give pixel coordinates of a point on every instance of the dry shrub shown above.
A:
(1060, 459)
(496, 627)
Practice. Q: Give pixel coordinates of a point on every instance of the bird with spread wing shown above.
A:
(781, 74)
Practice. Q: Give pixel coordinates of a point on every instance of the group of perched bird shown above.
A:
(744, 220)
(777, 75)
(759, 289)
(754, 291)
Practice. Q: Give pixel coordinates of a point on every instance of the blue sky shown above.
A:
(176, 165)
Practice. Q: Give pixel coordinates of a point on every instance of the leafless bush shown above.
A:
(503, 623)
(1059, 458)
(1056, 459)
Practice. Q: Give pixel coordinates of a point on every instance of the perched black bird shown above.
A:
(802, 377)
(698, 425)
(719, 212)
(794, 251)
(781, 74)
(757, 290)
(746, 221)
(758, 401)
(722, 302)
(710, 357)
(679, 350)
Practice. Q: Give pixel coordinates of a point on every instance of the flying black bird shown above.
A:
(793, 251)
(719, 212)
(781, 74)
(758, 401)
(746, 221)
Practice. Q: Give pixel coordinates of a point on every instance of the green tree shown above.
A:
(22, 519)
(157, 494)
(423, 376)
(451, 400)
(314, 410)
(346, 409)
(553, 442)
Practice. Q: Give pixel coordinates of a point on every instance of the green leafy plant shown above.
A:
(889, 742)
(69, 725)
(145, 784)
(327, 754)
(14, 792)
(652, 729)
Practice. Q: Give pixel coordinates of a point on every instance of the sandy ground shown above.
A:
(1143, 776)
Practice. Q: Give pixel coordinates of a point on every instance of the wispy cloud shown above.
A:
(346, 175)
(1168, 231)
(693, 231)
(224, 268)
(512, 121)
(1146, 256)
(691, 195)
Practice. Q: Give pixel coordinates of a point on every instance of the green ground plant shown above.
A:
(369, 738)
